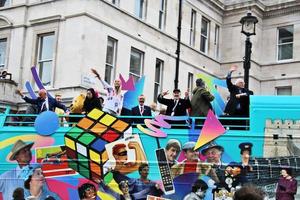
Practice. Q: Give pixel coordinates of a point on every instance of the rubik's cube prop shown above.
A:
(85, 143)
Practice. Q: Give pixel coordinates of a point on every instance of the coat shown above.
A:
(135, 111)
(179, 110)
(233, 103)
(286, 189)
(39, 102)
(201, 102)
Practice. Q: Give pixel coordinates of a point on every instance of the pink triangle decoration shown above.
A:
(127, 85)
(211, 129)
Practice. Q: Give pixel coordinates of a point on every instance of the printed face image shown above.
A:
(144, 172)
(90, 193)
(24, 156)
(213, 155)
(38, 178)
(191, 155)
(121, 154)
(171, 154)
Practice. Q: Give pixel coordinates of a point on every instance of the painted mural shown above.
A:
(103, 156)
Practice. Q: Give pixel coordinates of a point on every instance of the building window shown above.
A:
(4, 3)
(116, 2)
(162, 14)
(45, 57)
(111, 52)
(216, 41)
(190, 82)
(193, 28)
(136, 63)
(3, 46)
(284, 90)
(285, 42)
(158, 78)
(204, 35)
(140, 9)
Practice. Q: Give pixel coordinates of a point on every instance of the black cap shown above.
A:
(176, 90)
(210, 146)
(246, 146)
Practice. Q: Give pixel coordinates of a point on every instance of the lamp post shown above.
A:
(178, 45)
(248, 28)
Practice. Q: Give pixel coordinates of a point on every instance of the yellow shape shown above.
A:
(95, 114)
(105, 196)
(70, 143)
(95, 156)
(114, 186)
(104, 156)
(107, 120)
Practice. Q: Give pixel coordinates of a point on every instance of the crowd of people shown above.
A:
(195, 105)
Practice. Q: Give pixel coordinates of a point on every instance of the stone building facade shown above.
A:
(65, 38)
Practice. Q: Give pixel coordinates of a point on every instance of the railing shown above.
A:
(232, 123)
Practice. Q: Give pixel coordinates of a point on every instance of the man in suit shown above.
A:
(238, 104)
(176, 106)
(141, 110)
(43, 102)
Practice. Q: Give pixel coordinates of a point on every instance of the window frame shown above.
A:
(205, 36)
(38, 54)
(159, 84)
(162, 14)
(282, 44)
(141, 9)
(142, 63)
(190, 82)
(114, 59)
(284, 87)
(193, 27)
(4, 64)
(217, 41)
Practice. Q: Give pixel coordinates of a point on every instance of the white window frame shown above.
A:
(277, 46)
(142, 63)
(158, 84)
(116, 2)
(38, 61)
(217, 41)
(7, 3)
(205, 36)
(190, 83)
(141, 9)
(114, 59)
(284, 87)
(4, 64)
(193, 27)
(162, 14)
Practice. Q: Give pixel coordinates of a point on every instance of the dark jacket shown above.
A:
(41, 105)
(179, 110)
(286, 189)
(201, 102)
(135, 111)
(237, 106)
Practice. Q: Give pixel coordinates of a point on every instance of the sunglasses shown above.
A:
(122, 153)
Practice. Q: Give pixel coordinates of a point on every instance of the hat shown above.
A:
(189, 145)
(212, 145)
(173, 141)
(176, 90)
(17, 147)
(246, 146)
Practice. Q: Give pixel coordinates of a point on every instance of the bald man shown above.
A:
(43, 102)
(238, 104)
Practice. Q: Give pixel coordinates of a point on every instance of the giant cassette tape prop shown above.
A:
(85, 143)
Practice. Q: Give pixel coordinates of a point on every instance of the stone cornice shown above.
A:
(266, 11)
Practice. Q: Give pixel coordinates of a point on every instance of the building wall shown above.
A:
(81, 30)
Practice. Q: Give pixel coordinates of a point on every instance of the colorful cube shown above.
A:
(86, 142)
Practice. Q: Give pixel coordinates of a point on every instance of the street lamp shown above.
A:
(248, 28)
